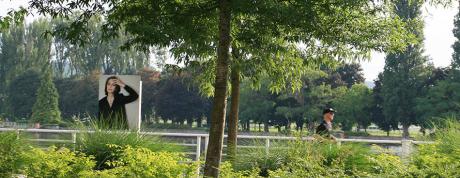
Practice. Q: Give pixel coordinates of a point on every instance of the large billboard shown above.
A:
(120, 101)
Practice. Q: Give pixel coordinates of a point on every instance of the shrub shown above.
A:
(305, 158)
(142, 162)
(131, 162)
(442, 158)
(226, 171)
(257, 158)
(97, 143)
(386, 164)
(56, 163)
(10, 150)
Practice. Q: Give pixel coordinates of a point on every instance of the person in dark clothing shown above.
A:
(325, 128)
(112, 111)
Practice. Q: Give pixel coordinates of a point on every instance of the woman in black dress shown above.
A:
(112, 111)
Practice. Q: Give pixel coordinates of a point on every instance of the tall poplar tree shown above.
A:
(402, 69)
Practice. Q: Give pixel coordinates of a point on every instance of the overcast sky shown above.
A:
(438, 36)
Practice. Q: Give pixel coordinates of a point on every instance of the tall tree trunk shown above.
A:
(216, 132)
(266, 126)
(233, 116)
(405, 133)
(288, 126)
(199, 121)
(248, 125)
(190, 122)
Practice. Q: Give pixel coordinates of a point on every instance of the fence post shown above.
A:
(206, 142)
(198, 148)
(406, 146)
(17, 134)
(74, 140)
(267, 145)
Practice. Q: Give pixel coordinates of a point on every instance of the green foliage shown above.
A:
(12, 50)
(432, 161)
(179, 100)
(402, 74)
(11, 148)
(46, 107)
(257, 158)
(13, 16)
(22, 94)
(150, 80)
(23, 47)
(57, 163)
(296, 158)
(319, 97)
(97, 143)
(143, 162)
(301, 158)
(98, 53)
(227, 171)
(440, 159)
(386, 164)
(257, 106)
(132, 162)
(353, 107)
(339, 32)
(376, 109)
(456, 45)
(327, 159)
(78, 92)
(441, 100)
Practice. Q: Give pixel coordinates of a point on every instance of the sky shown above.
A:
(439, 23)
(438, 36)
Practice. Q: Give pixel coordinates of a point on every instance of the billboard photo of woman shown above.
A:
(112, 110)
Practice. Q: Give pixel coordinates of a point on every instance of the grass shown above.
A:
(98, 142)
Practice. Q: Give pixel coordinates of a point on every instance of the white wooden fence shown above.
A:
(201, 140)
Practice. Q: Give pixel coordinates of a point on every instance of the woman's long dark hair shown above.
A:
(117, 88)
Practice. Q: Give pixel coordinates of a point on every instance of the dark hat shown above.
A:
(328, 110)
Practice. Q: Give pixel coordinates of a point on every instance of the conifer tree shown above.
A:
(46, 107)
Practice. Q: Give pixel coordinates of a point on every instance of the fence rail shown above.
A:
(200, 147)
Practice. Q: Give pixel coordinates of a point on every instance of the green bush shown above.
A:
(441, 159)
(10, 150)
(226, 171)
(142, 162)
(97, 144)
(386, 164)
(305, 158)
(257, 158)
(56, 163)
(95, 141)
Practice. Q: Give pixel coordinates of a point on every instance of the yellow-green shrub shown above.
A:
(96, 143)
(385, 164)
(226, 171)
(142, 162)
(57, 163)
(441, 159)
(10, 150)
